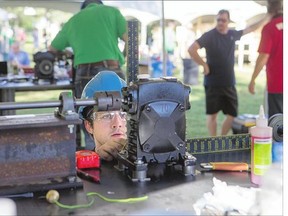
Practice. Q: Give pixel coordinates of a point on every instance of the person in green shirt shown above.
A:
(93, 34)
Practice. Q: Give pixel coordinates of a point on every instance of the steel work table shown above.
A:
(8, 89)
(175, 194)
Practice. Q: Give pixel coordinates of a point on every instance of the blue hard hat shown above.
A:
(103, 81)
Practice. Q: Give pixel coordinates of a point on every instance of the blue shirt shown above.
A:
(21, 57)
(220, 49)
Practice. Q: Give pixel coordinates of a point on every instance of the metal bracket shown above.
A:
(67, 110)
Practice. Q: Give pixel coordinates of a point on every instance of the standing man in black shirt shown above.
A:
(219, 80)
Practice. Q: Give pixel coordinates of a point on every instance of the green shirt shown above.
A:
(93, 34)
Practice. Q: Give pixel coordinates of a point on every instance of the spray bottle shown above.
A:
(261, 147)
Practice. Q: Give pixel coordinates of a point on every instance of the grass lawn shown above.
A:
(37, 96)
(196, 117)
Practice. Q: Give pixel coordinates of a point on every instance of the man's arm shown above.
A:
(260, 63)
(67, 52)
(256, 25)
(125, 39)
(52, 49)
(193, 52)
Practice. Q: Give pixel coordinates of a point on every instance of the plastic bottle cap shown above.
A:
(261, 121)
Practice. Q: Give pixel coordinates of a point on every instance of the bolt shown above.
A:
(147, 147)
(138, 162)
(180, 145)
(71, 179)
(189, 156)
(71, 127)
(69, 112)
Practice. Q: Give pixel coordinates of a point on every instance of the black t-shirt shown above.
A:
(220, 49)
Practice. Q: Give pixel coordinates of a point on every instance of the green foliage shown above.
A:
(28, 22)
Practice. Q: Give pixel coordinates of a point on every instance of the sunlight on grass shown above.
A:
(197, 92)
(28, 96)
(38, 95)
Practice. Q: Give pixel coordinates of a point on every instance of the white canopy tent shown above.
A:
(177, 10)
(149, 11)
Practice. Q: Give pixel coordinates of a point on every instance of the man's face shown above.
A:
(107, 126)
(15, 48)
(222, 22)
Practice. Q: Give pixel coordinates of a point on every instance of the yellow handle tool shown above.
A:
(226, 166)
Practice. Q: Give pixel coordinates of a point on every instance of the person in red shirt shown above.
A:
(271, 54)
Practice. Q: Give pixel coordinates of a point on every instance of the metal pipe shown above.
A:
(164, 57)
(43, 104)
(86, 102)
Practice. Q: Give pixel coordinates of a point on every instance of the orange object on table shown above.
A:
(226, 166)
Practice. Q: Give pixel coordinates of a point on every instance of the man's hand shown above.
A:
(110, 149)
(251, 87)
(15, 64)
(68, 53)
(206, 69)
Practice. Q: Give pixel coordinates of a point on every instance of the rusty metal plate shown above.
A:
(36, 150)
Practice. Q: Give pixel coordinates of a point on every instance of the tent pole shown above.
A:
(163, 40)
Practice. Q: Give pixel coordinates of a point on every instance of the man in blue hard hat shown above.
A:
(106, 128)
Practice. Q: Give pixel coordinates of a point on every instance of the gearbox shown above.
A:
(156, 127)
(44, 65)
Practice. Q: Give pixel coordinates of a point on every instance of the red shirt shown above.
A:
(272, 44)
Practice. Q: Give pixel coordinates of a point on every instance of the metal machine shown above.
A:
(44, 65)
(37, 152)
(156, 121)
(156, 127)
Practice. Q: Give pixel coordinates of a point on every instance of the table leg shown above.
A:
(7, 95)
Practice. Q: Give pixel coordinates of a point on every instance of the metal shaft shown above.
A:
(43, 104)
